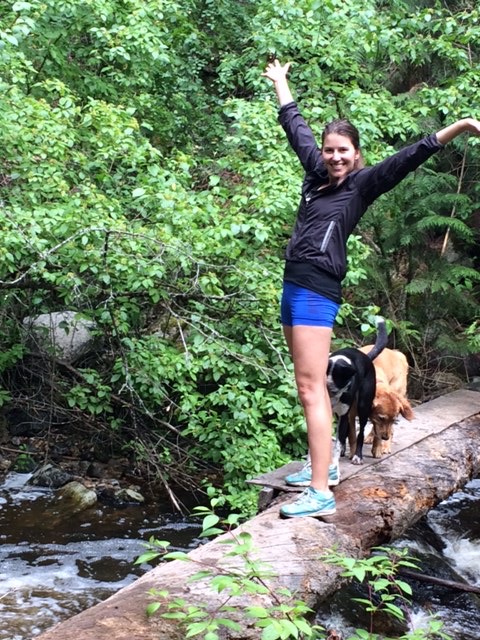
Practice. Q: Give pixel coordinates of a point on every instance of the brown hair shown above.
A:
(343, 127)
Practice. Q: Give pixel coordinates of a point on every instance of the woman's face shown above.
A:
(339, 155)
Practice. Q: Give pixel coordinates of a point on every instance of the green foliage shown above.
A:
(419, 283)
(24, 462)
(286, 617)
(387, 592)
(122, 53)
(145, 183)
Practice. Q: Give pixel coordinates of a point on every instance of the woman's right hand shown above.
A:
(275, 71)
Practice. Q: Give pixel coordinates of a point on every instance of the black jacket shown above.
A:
(326, 218)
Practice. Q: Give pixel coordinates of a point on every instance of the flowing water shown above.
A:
(446, 545)
(53, 567)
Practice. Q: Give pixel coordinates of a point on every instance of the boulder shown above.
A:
(65, 334)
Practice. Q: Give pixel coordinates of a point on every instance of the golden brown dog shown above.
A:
(391, 370)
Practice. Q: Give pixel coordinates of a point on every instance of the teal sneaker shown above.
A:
(310, 503)
(333, 475)
(303, 477)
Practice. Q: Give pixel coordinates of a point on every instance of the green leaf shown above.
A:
(195, 628)
(152, 608)
(215, 531)
(359, 573)
(304, 626)
(147, 557)
(230, 624)
(257, 612)
(210, 521)
(271, 633)
(404, 586)
(395, 611)
(289, 629)
(177, 555)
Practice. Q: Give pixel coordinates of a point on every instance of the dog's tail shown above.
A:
(382, 338)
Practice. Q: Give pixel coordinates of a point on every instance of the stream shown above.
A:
(445, 544)
(52, 568)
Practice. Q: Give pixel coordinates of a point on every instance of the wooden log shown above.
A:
(376, 504)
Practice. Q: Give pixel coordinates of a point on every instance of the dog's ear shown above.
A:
(340, 370)
(386, 404)
(406, 409)
(344, 373)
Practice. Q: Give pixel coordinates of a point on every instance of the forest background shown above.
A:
(146, 184)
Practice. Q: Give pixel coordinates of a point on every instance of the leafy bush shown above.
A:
(145, 183)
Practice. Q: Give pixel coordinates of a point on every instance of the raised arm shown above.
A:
(278, 75)
(461, 126)
(383, 176)
(298, 132)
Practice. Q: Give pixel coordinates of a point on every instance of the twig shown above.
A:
(454, 208)
(422, 577)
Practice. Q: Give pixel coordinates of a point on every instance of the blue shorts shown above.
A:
(301, 306)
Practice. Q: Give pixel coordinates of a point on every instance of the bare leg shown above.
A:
(310, 348)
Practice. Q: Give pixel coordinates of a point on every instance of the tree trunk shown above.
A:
(432, 456)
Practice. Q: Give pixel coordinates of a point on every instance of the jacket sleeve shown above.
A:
(301, 138)
(380, 178)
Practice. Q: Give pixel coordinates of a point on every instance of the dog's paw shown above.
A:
(386, 447)
(369, 438)
(377, 448)
(357, 460)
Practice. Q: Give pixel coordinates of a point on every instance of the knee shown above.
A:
(312, 393)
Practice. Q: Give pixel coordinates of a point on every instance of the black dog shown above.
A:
(351, 385)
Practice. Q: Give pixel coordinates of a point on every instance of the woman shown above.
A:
(336, 192)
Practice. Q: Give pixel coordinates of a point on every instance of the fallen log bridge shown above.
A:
(432, 457)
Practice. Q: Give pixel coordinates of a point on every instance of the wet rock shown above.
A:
(95, 470)
(130, 496)
(347, 604)
(5, 465)
(106, 495)
(423, 532)
(50, 476)
(82, 467)
(334, 634)
(116, 497)
(75, 497)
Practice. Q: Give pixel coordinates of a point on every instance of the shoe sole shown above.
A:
(306, 483)
(315, 514)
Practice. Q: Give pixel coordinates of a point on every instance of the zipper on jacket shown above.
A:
(327, 236)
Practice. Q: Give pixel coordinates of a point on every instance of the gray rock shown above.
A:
(65, 334)
(128, 496)
(50, 476)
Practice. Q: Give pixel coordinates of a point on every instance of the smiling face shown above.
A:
(340, 156)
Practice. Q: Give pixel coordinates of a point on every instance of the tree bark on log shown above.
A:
(375, 505)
